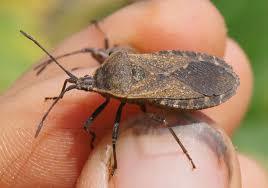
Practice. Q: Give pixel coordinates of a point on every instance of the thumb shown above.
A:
(148, 156)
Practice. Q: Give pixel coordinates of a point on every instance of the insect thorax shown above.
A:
(118, 74)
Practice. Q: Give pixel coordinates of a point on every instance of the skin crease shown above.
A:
(148, 26)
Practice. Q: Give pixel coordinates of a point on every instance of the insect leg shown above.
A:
(116, 132)
(91, 119)
(64, 90)
(50, 98)
(143, 108)
(98, 54)
(180, 143)
(156, 117)
(106, 40)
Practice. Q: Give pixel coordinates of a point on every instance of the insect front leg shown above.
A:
(63, 91)
(91, 119)
(180, 144)
(115, 133)
(163, 120)
(63, 88)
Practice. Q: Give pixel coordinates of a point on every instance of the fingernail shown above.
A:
(96, 172)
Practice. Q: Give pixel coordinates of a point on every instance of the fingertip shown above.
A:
(96, 170)
(172, 24)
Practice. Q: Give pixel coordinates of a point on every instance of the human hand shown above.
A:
(59, 156)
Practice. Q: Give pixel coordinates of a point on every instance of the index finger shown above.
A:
(156, 25)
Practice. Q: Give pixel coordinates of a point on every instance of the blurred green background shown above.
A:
(246, 19)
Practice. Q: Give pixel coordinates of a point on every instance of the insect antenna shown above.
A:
(40, 46)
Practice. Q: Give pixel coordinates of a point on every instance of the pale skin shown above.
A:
(64, 155)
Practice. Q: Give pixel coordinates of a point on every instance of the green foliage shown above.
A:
(247, 23)
(252, 140)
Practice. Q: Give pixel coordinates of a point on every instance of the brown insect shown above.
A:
(173, 79)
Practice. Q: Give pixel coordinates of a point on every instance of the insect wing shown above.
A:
(189, 80)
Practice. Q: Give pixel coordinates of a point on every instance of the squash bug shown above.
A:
(171, 79)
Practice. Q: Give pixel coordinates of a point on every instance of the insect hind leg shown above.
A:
(185, 151)
(181, 145)
(98, 54)
(106, 40)
(50, 98)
